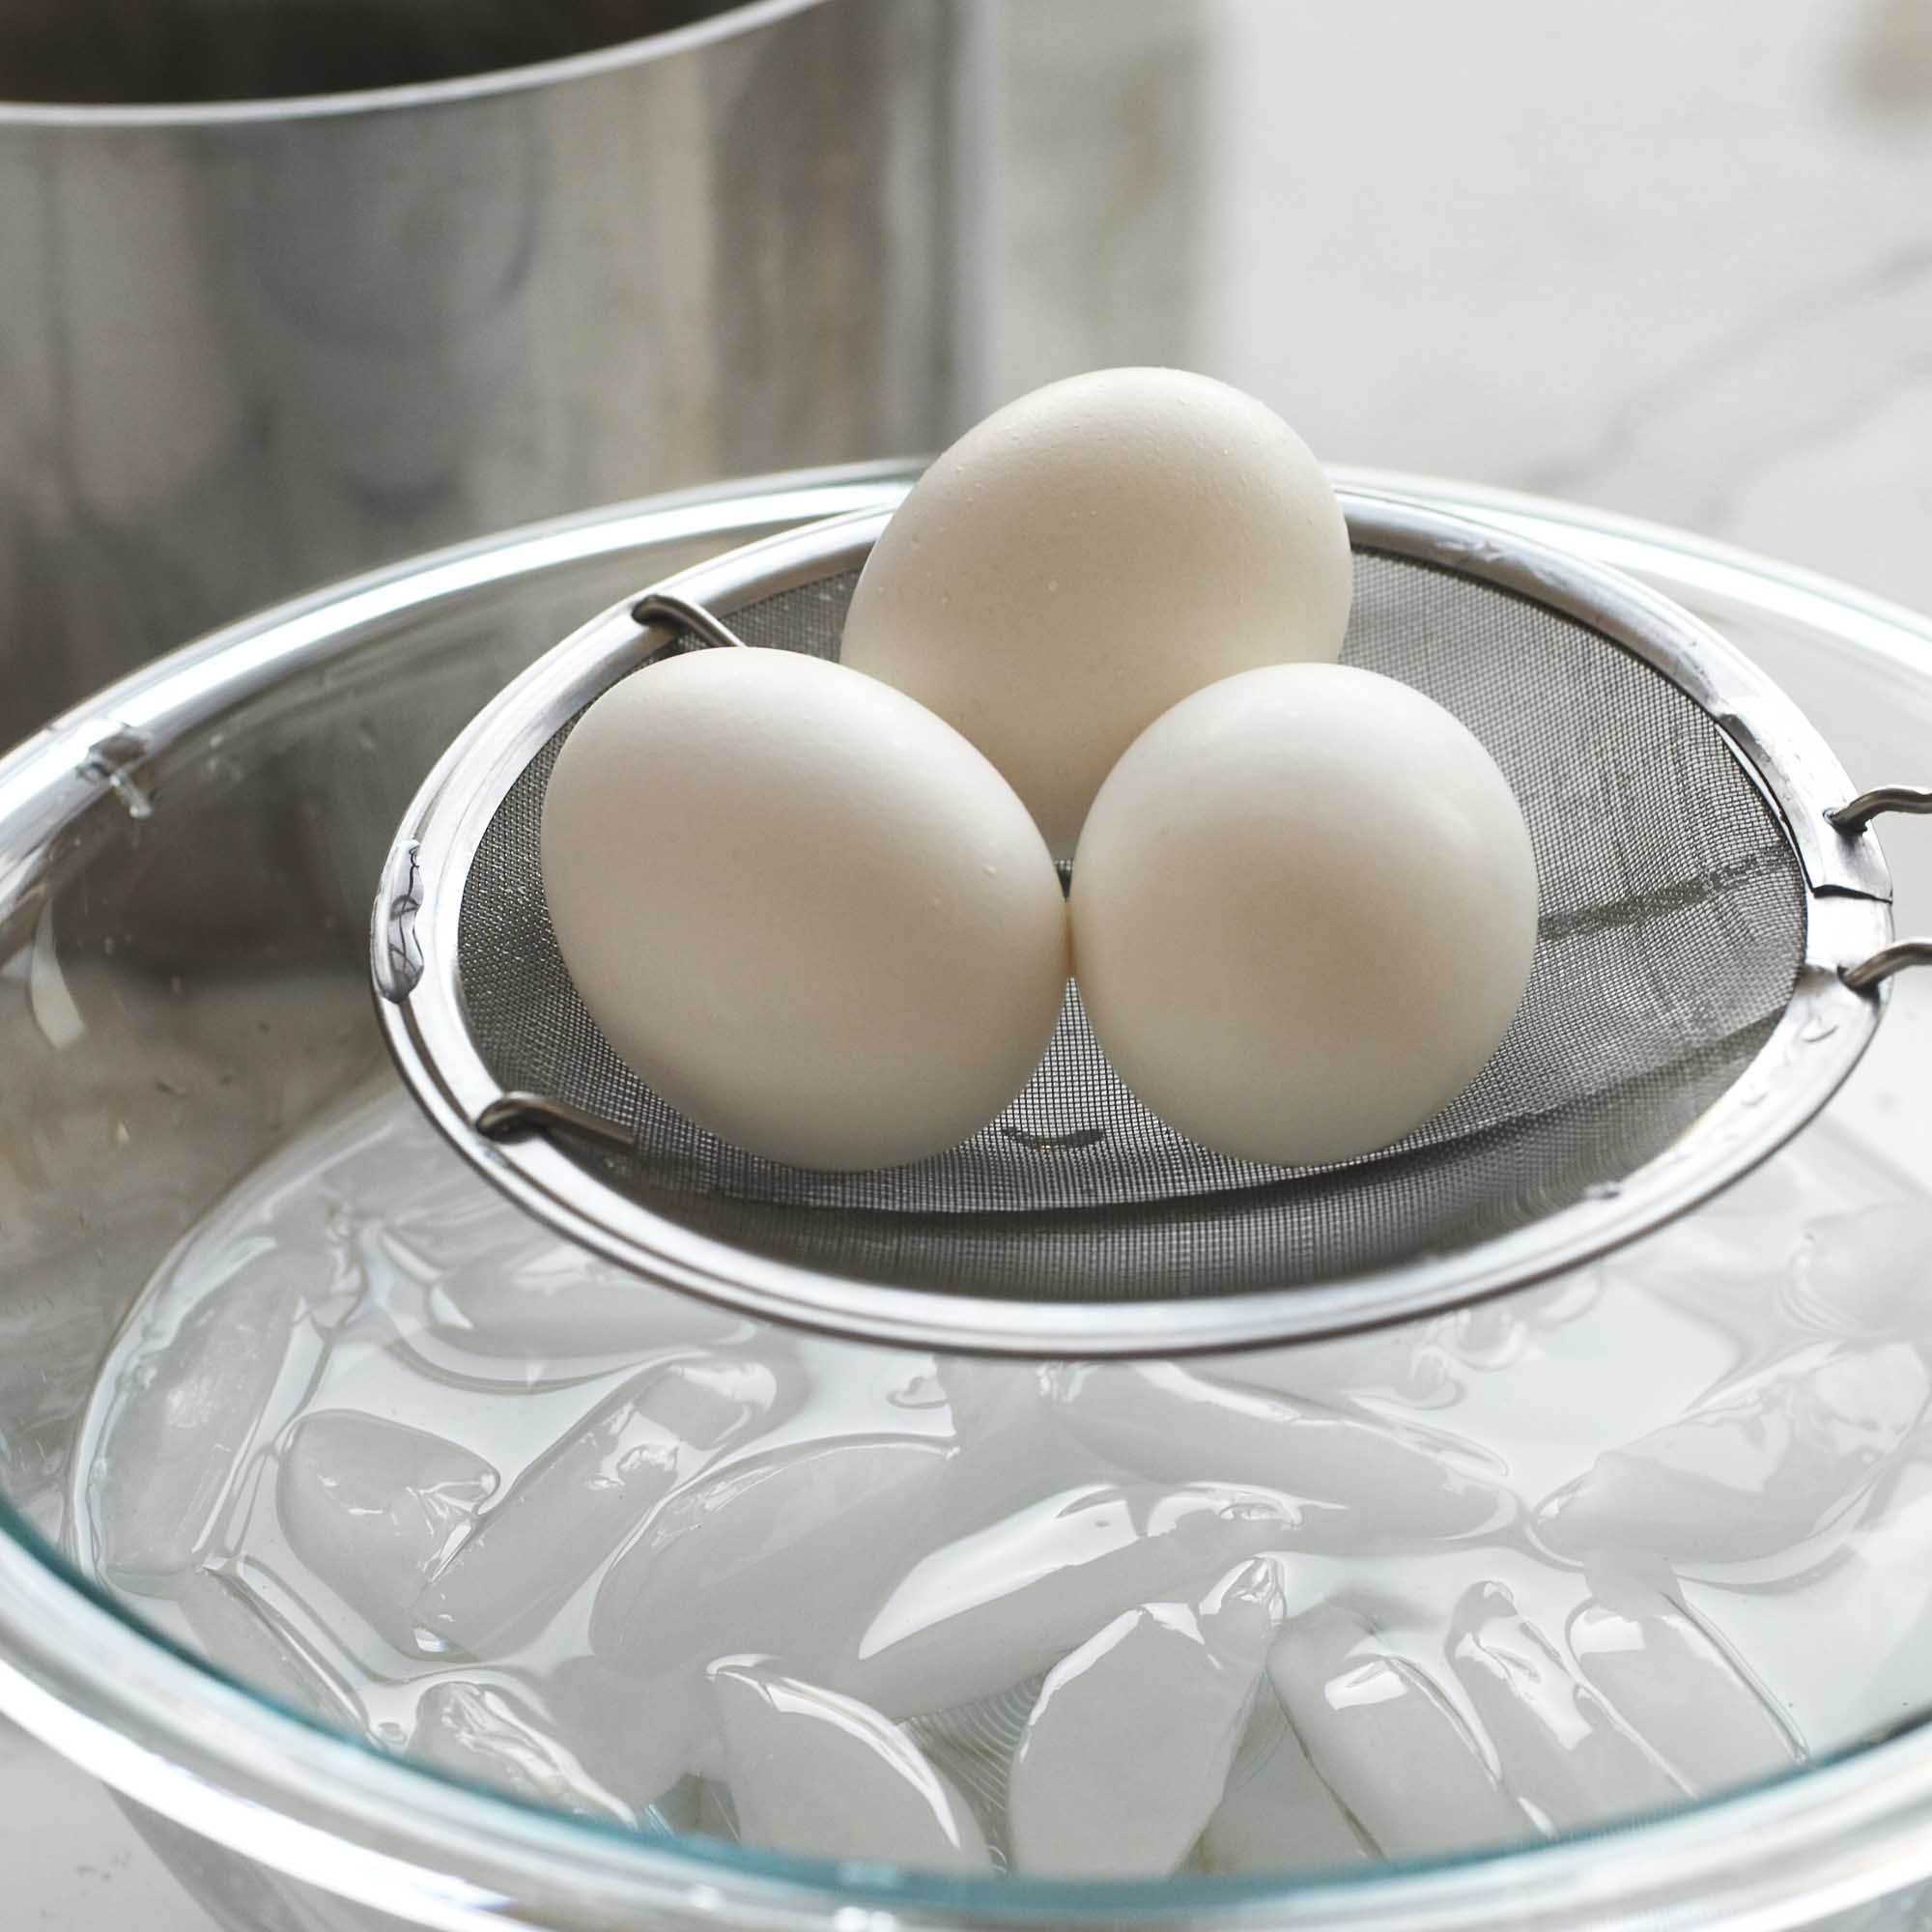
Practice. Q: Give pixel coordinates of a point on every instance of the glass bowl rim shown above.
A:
(182, 1736)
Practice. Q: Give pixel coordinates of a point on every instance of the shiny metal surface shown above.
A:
(1899, 958)
(1853, 817)
(210, 1030)
(663, 606)
(1821, 1036)
(513, 1114)
(292, 289)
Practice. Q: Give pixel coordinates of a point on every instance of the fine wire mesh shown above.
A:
(1671, 929)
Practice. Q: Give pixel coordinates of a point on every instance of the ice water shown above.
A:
(400, 1458)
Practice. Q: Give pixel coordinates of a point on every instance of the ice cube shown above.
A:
(1171, 1424)
(814, 1770)
(1276, 1814)
(1764, 1461)
(247, 1639)
(974, 1744)
(1000, 1603)
(1562, 1751)
(1678, 1688)
(371, 1507)
(1407, 1365)
(780, 1553)
(485, 1281)
(1496, 1335)
(1126, 1754)
(538, 1298)
(578, 1502)
(1385, 1739)
(1722, 1264)
(637, 1737)
(486, 1732)
(1866, 1274)
(1015, 1440)
(185, 1410)
(700, 1806)
(989, 1400)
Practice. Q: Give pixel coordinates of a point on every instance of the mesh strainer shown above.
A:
(1715, 938)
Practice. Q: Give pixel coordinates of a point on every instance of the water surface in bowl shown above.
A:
(381, 1446)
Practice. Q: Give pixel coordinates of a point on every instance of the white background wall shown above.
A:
(1674, 259)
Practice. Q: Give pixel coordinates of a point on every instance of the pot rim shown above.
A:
(727, 20)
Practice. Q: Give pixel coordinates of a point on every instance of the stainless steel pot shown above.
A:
(184, 872)
(294, 286)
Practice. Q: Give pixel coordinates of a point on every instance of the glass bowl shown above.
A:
(185, 865)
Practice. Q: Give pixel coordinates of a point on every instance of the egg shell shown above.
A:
(1304, 913)
(804, 909)
(1086, 558)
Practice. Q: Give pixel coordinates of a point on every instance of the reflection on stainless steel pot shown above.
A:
(295, 287)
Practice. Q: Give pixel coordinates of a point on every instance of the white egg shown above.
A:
(1086, 558)
(1304, 912)
(805, 910)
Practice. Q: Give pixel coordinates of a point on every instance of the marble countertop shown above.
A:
(70, 1860)
(1672, 260)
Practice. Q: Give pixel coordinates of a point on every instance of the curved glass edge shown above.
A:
(1544, 1883)
(1677, 559)
(1868, 1796)
(177, 689)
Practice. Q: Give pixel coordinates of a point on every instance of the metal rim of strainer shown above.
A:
(1836, 1003)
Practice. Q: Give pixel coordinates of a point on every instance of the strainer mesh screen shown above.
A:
(1672, 925)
